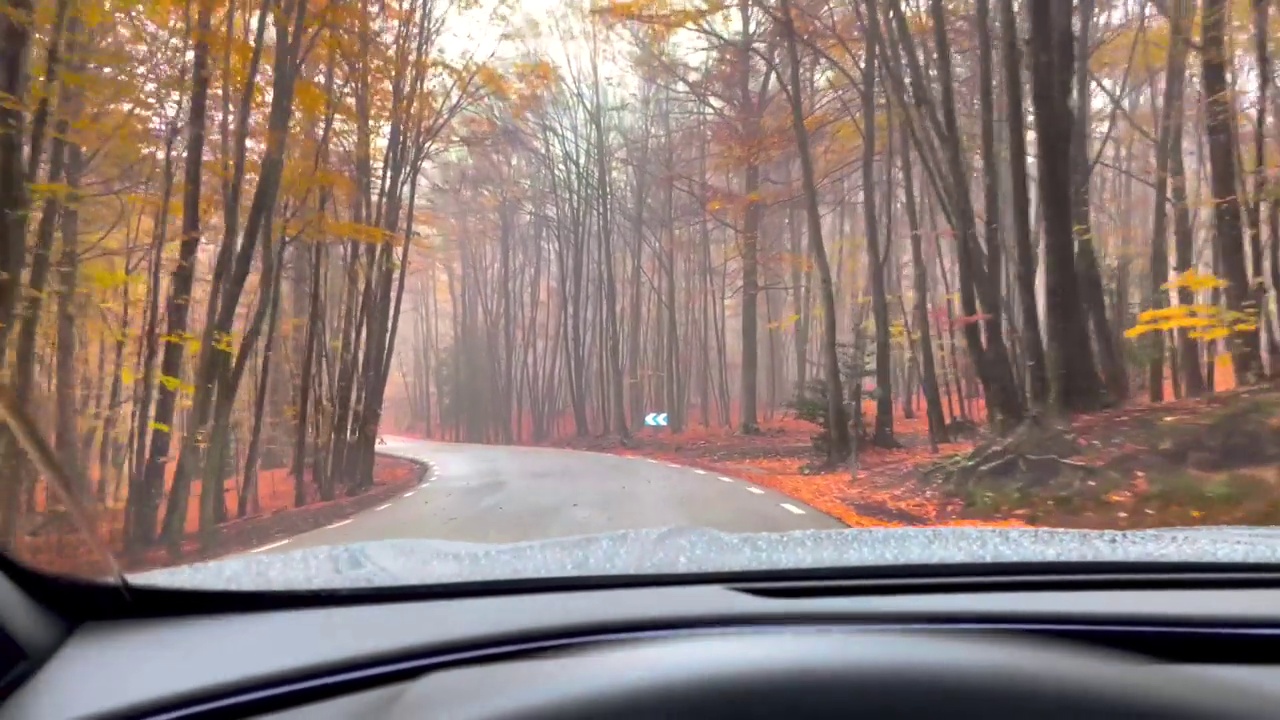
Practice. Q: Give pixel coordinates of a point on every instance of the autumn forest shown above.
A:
(241, 240)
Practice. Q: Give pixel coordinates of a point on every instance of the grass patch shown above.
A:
(1246, 497)
(1210, 461)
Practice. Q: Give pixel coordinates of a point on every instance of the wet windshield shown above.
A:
(674, 285)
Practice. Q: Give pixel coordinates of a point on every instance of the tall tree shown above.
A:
(1171, 129)
(1025, 259)
(920, 272)
(1261, 190)
(749, 112)
(1086, 260)
(1073, 378)
(839, 447)
(147, 503)
(1228, 238)
(883, 435)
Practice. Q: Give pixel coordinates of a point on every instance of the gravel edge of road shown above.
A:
(366, 502)
(261, 535)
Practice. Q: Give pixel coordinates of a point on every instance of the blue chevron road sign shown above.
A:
(654, 419)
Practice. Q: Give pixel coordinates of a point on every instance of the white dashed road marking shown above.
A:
(340, 523)
(410, 493)
(786, 506)
(382, 507)
(269, 546)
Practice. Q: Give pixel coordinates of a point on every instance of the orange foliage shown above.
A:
(65, 550)
(1224, 377)
(883, 493)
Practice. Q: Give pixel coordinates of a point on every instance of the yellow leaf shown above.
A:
(1209, 335)
(359, 232)
(57, 191)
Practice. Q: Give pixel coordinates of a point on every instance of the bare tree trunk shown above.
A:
(67, 437)
(1086, 261)
(26, 351)
(613, 350)
(248, 501)
(1159, 241)
(836, 422)
(748, 422)
(304, 386)
(140, 521)
(15, 36)
(920, 270)
(179, 301)
(1032, 343)
(216, 379)
(1188, 353)
(1264, 189)
(1261, 11)
(1073, 379)
(112, 449)
(991, 361)
(1219, 119)
(883, 434)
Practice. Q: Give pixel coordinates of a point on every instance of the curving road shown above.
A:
(499, 494)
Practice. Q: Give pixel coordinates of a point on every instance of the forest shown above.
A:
(725, 210)
(240, 239)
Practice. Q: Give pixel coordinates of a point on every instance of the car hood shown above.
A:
(681, 550)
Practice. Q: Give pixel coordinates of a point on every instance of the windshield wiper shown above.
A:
(46, 461)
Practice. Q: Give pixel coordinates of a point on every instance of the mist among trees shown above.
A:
(247, 236)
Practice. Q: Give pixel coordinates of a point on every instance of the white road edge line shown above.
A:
(726, 479)
(382, 507)
(269, 546)
(755, 490)
(701, 472)
(410, 493)
(340, 523)
(793, 508)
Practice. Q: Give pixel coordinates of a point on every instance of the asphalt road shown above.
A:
(497, 494)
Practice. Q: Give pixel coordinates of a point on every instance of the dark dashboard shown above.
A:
(1176, 646)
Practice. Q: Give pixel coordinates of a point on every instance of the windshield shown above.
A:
(424, 290)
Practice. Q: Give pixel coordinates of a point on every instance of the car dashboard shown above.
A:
(1179, 644)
